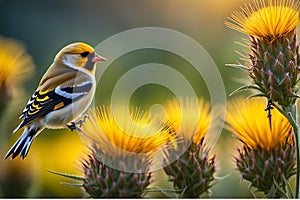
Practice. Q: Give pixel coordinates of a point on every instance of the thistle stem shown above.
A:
(296, 131)
(291, 114)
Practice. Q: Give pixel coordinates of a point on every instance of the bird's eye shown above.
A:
(84, 54)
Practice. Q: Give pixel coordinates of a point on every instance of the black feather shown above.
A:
(23, 144)
(43, 107)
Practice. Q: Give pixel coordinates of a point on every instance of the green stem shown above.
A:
(291, 114)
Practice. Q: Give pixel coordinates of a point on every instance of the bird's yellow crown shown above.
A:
(77, 48)
(77, 55)
(80, 47)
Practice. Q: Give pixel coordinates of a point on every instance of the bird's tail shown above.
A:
(23, 143)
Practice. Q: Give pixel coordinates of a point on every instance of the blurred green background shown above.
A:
(44, 27)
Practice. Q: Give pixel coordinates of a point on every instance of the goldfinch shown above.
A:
(64, 93)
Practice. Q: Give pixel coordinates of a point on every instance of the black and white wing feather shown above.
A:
(44, 102)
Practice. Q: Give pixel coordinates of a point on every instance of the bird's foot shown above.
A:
(73, 126)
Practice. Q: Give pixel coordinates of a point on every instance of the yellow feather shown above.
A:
(43, 99)
(58, 106)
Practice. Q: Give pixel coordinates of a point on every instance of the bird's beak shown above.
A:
(98, 58)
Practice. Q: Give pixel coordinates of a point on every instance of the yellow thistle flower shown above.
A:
(274, 69)
(116, 133)
(123, 144)
(267, 157)
(15, 63)
(189, 117)
(274, 57)
(273, 18)
(188, 164)
(248, 121)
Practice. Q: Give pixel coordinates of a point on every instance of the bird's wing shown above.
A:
(44, 102)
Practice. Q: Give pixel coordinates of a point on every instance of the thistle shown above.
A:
(15, 66)
(274, 58)
(121, 152)
(102, 180)
(268, 170)
(267, 158)
(275, 68)
(191, 169)
(273, 61)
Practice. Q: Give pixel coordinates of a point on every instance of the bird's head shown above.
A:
(79, 56)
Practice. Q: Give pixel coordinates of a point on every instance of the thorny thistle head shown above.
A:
(274, 50)
(192, 170)
(104, 181)
(268, 152)
(121, 151)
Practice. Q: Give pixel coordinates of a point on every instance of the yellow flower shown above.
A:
(271, 18)
(190, 117)
(248, 121)
(116, 131)
(15, 63)
(191, 169)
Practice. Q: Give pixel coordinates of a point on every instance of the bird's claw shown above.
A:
(73, 126)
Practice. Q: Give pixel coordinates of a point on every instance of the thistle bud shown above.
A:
(262, 167)
(279, 70)
(192, 172)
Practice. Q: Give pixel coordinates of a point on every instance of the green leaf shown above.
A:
(256, 95)
(282, 190)
(245, 87)
(289, 188)
(238, 66)
(250, 190)
(72, 184)
(70, 176)
(181, 195)
(272, 192)
(171, 193)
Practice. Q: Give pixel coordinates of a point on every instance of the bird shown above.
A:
(64, 93)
